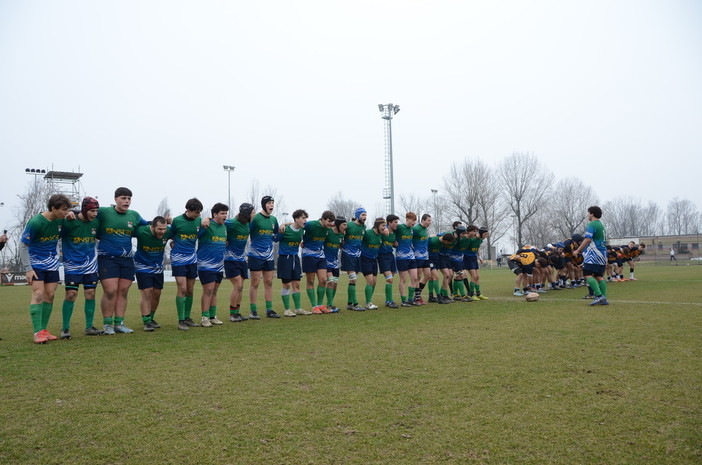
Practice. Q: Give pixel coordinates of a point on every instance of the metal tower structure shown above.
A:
(62, 182)
(388, 111)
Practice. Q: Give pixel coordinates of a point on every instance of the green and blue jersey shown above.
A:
(237, 238)
(404, 235)
(353, 239)
(314, 239)
(262, 229)
(420, 242)
(116, 231)
(78, 241)
(211, 246)
(289, 241)
(41, 236)
(184, 234)
(331, 248)
(149, 251)
(596, 251)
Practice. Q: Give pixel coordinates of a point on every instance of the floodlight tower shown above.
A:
(229, 169)
(388, 111)
(61, 182)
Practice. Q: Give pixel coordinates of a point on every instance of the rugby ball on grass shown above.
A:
(532, 297)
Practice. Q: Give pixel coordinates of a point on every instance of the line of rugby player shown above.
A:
(554, 267)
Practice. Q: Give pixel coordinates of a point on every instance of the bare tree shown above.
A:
(681, 217)
(341, 206)
(33, 201)
(568, 206)
(626, 217)
(492, 211)
(526, 185)
(256, 194)
(439, 209)
(462, 184)
(539, 230)
(413, 203)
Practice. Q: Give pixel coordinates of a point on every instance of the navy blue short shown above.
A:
(334, 272)
(312, 264)
(422, 263)
(456, 265)
(386, 263)
(47, 276)
(470, 262)
(405, 265)
(434, 261)
(234, 269)
(350, 264)
(115, 267)
(289, 268)
(259, 264)
(590, 269)
(149, 280)
(369, 266)
(444, 262)
(73, 281)
(207, 277)
(528, 269)
(187, 271)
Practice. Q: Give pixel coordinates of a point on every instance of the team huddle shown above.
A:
(96, 246)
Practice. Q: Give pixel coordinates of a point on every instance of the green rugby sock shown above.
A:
(388, 292)
(296, 300)
(369, 293)
(89, 313)
(66, 313)
(35, 315)
(180, 308)
(312, 296)
(46, 308)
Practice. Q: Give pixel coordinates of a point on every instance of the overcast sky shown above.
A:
(157, 96)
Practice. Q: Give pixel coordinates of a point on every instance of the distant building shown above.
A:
(686, 246)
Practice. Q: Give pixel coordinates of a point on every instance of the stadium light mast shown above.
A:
(229, 169)
(388, 111)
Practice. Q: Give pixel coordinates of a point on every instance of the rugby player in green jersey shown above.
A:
(594, 255)
(235, 268)
(420, 244)
(212, 244)
(372, 240)
(386, 257)
(472, 261)
(260, 255)
(351, 253)
(289, 267)
(115, 262)
(148, 264)
(78, 240)
(314, 262)
(404, 257)
(184, 229)
(331, 253)
(40, 259)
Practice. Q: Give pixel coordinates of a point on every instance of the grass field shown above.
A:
(495, 382)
